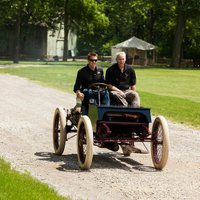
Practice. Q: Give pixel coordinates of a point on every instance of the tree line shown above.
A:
(172, 25)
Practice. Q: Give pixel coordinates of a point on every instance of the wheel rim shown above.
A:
(158, 142)
(85, 142)
(57, 131)
(82, 143)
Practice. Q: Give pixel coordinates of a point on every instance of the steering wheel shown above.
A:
(98, 86)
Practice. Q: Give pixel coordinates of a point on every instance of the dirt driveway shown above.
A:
(26, 113)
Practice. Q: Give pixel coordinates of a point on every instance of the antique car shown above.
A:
(105, 126)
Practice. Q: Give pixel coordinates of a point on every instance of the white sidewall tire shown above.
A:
(87, 161)
(59, 139)
(160, 121)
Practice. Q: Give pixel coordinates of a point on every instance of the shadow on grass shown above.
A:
(100, 161)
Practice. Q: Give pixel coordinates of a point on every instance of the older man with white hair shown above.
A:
(122, 82)
(121, 79)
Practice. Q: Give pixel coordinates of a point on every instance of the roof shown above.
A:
(135, 42)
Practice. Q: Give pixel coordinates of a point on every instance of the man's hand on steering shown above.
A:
(80, 95)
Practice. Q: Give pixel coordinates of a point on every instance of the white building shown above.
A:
(55, 43)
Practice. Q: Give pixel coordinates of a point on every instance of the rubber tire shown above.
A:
(160, 155)
(59, 130)
(85, 145)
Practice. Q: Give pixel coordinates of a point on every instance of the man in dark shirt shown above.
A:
(86, 76)
(122, 82)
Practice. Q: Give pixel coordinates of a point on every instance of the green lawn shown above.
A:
(21, 186)
(173, 93)
(170, 82)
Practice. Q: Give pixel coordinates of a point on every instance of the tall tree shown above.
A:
(186, 10)
(12, 14)
(17, 38)
(143, 19)
(179, 33)
(23, 12)
(82, 15)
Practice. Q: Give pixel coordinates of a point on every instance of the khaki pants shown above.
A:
(131, 98)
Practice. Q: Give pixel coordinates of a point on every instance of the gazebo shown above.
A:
(138, 51)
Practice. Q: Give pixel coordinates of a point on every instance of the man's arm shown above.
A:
(77, 86)
(113, 88)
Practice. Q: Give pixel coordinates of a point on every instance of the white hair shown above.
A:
(121, 54)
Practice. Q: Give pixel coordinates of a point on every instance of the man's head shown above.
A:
(121, 59)
(92, 59)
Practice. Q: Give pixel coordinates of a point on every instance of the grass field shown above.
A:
(21, 186)
(174, 93)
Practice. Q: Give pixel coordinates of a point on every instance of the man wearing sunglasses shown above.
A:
(86, 76)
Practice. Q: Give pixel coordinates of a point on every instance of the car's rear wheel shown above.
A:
(59, 130)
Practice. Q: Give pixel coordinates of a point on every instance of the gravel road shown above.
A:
(26, 114)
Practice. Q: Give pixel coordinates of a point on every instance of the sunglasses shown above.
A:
(93, 60)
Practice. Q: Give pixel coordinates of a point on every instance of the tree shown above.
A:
(186, 10)
(102, 23)
(22, 12)
(82, 15)
(179, 33)
(120, 28)
(143, 19)
(12, 16)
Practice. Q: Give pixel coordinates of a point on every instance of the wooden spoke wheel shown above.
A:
(59, 130)
(85, 142)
